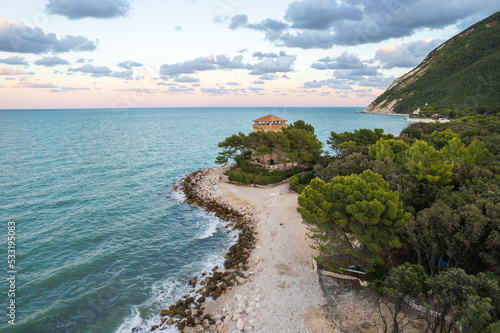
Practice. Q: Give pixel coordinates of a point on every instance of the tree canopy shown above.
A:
(353, 218)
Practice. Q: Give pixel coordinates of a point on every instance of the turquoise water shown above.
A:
(102, 245)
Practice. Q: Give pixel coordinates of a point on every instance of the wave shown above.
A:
(213, 223)
(165, 293)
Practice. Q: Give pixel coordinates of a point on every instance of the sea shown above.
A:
(102, 243)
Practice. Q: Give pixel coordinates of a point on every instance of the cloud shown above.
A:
(11, 60)
(129, 64)
(96, 71)
(271, 66)
(356, 74)
(10, 71)
(28, 84)
(238, 21)
(186, 79)
(322, 24)
(204, 64)
(215, 91)
(320, 14)
(329, 83)
(178, 28)
(77, 9)
(224, 62)
(179, 90)
(406, 54)
(268, 77)
(344, 61)
(189, 66)
(122, 75)
(261, 55)
(309, 39)
(67, 89)
(22, 39)
(51, 61)
(233, 84)
(258, 82)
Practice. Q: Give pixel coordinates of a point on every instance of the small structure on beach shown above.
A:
(269, 123)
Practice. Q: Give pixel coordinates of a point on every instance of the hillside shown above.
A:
(462, 73)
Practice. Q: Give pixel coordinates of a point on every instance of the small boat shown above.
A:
(357, 111)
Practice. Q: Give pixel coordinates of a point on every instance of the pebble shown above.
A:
(240, 324)
(254, 314)
(236, 317)
(241, 280)
(252, 304)
(222, 328)
(249, 310)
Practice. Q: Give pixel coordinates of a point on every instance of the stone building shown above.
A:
(269, 123)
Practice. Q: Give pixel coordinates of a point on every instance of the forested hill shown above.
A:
(462, 73)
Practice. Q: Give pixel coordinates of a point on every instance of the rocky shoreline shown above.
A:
(188, 314)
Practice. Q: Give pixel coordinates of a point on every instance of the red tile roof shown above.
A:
(270, 117)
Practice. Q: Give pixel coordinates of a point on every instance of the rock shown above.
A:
(222, 328)
(200, 299)
(215, 268)
(254, 314)
(249, 311)
(199, 328)
(181, 326)
(252, 304)
(205, 323)
(227, 320)
(228, 264)
(154, 328)
(164, 313)
(170, 321)
(240, 324)
(193, 281)
(240, 280)
(236, 317)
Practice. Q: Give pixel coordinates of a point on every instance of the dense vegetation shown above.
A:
(462, 73)
(421, 210)
(296, 145)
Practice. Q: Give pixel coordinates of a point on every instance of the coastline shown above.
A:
(268, 283)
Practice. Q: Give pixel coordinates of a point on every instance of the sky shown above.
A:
(217, 53)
